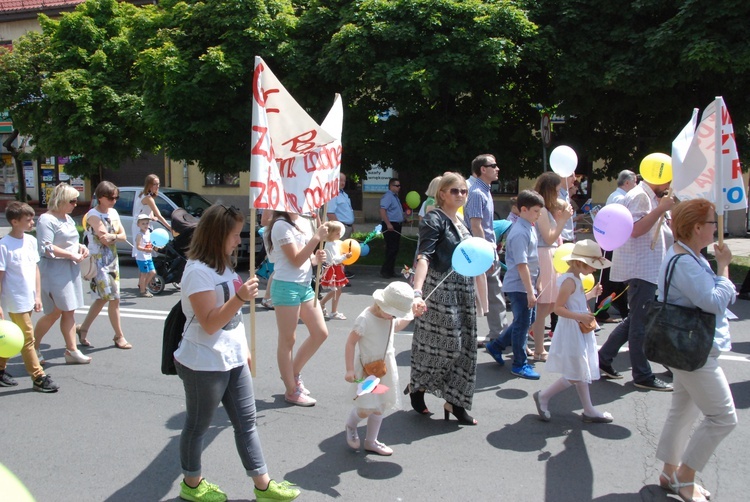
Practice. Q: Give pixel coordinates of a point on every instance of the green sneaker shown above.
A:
(204, 492)
(277, 491)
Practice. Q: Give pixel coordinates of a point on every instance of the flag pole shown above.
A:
(320, 265)
(719, 169)
(251, 252)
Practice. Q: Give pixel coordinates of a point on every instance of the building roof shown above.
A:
(13, 6)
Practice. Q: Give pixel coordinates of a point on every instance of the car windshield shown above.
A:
(190, 201)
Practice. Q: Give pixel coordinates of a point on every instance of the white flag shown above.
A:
(295, 162)
(681, 177)
(708, 171)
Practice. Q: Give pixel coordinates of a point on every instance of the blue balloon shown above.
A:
(159, 237)
(364, 250)
(473, 257)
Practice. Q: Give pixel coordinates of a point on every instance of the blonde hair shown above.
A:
(61, 195)
(147, 184)
(445, 182)
(432, 188)
(334, 227)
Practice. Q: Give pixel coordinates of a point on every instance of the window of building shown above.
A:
(224, 180)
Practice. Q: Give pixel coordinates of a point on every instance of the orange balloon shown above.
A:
(350, 246)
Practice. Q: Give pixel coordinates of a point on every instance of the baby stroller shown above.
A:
(171, 260)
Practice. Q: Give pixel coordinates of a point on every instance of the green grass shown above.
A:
(377, 250)
(738, 269)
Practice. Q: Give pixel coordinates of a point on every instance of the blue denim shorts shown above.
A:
(290, 294)
(145, 266)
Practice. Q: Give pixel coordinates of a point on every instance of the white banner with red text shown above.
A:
(295, 162)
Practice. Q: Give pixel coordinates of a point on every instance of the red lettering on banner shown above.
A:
(287, 165)
(291, 201)
(724, 138)
(262, 97)
(258, 202)
(706, 132)
(303, 142)
(258, 148)
(736, 169)
(725, 118)
(274, 192)
(326, 158)
(706, 178)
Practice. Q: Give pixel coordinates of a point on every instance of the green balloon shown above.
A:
(412, 199)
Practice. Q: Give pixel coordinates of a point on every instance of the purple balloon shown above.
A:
(613, 225)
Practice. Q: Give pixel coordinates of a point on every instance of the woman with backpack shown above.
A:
(212, 359)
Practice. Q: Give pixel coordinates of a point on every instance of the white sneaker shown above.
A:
(298, 398)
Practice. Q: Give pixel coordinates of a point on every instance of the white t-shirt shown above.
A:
(18, 259)
(145, 239)
(220, 351)
(283, 233)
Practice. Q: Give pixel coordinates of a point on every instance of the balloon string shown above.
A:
(439, 283)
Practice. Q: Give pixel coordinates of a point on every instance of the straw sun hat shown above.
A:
(395, 299)
(589, 253)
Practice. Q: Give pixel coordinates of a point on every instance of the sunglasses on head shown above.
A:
(233, 211)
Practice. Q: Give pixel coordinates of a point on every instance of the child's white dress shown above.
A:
(572, 353)
(374, 332)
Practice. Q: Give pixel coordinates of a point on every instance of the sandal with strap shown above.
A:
(121, 343)
(540, 358)
(675, 485)
(665, 483)
(82, 336)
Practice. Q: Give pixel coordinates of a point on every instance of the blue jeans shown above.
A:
(515, 334)
(204, 390)
(632, 330)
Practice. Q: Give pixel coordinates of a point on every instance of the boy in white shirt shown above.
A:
(20, 291)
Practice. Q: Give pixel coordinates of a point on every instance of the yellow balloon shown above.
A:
(83, 221)
(561, 266)
(350, 246)
(656, 168)
(588, 282)
(460, 211)
(13, 489)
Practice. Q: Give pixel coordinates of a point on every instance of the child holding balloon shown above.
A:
(372, 335)
(573, 352)
(143, 248)
(334, 278)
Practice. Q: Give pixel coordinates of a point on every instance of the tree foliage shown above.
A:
(73, 87)
(627, 76)
(452, 70)
(196, 73)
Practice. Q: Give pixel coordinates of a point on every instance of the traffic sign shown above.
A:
(546, 130)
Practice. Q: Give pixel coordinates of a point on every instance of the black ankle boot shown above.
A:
(417, 400)
(460, 413)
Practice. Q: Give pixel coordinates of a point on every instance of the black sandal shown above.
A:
(460, 413)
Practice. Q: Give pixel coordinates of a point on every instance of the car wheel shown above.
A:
(156, 285)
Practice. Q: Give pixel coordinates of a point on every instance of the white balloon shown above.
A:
(563, 160)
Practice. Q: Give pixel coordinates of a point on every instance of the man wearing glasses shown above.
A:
(479, 212)
(392, 214)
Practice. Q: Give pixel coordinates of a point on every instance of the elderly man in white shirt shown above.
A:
(626, 181)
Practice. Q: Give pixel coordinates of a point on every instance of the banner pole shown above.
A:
(320, 265)
(251, 252)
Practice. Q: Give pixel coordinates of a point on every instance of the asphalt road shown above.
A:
(112, 432)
